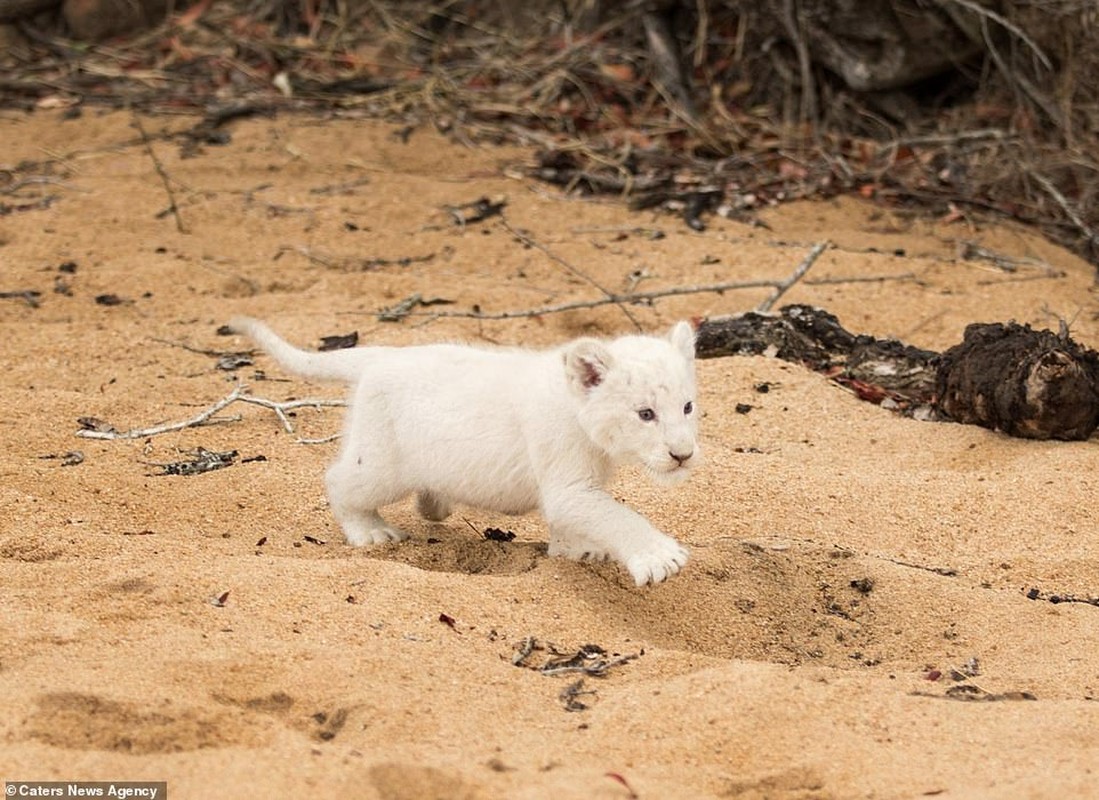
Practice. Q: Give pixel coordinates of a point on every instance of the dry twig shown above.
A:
(173, 206)
(637, 298)
(207, 417)
(32, 297)
(795, 276)
(611, 297)
(1070, 211)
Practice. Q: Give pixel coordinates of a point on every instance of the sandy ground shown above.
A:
(214, 632)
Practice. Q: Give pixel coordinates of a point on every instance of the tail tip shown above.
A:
(242, 324)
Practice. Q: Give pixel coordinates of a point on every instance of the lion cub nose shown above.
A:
(681, 459)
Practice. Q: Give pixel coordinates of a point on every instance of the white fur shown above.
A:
(511, 430)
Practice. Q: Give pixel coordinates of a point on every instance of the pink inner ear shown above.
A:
(590, 374)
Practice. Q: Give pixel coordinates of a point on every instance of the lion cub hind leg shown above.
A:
(433, 507)
(354, 495)
(362, 528)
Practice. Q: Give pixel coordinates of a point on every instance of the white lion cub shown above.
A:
(511, 430)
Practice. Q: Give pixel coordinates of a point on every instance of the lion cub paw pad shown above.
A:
(657, 564)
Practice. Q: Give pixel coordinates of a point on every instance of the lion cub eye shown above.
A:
(687, 409)
(646, 415)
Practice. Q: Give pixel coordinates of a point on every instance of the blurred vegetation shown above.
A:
(952, 107)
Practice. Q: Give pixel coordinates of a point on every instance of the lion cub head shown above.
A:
(638, 399)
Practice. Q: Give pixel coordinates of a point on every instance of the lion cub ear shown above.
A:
(587, 362)
(682, 337)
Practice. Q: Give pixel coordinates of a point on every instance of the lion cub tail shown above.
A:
(335, 365)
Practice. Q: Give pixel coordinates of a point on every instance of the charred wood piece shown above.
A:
(1007, 377)
(1026, 383)
(814, 338)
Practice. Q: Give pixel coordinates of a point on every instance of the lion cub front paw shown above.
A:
(659, 561)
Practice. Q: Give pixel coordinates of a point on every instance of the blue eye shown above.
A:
(646, 415)
(687, 409)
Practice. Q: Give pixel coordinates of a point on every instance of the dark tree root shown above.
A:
(1008, 377)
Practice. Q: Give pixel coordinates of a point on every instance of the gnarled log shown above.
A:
(1028, 383)
(814, 338)
(1008, 377)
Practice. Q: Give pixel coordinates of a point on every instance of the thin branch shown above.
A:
(15, 185)
(615, 299)
(167, 181)
(1036, 96)
(1070, 211)
(668, 64)
(321, 440)
(611, 297)
(280, 408)
(790, 15)
(983, 12)
(980, 134)
(32, 297)
(795, 276)
(901, 276)
(644, 297)
(199, 350)
(206, 417)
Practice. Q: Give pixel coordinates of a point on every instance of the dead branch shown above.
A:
(202, 351)
(32, 297)
(281, 407)
(1070, 211)
(611, 297)
(795, 276)
(227, 359)
(207, 417)
(903, 276)
(794, 29)
(639, 298)
(668, 63)
(1033, 92)
(173, 207)
(984, 12)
